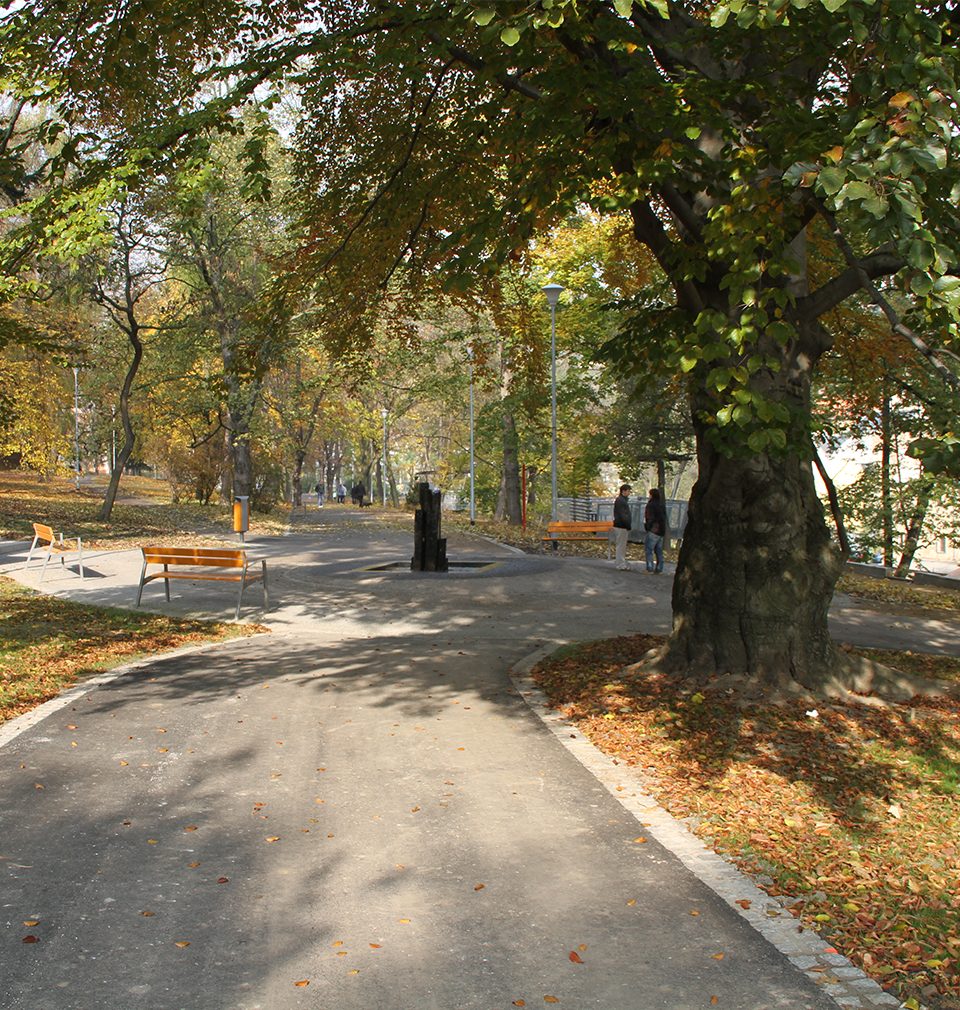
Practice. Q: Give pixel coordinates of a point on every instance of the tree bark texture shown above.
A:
(756, 575)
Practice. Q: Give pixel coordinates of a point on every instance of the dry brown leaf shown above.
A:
(575, 957)
(192, 866)
(550, 999)
(30, 938)
(376, 946)
(519, 1002)
(479, 887)
(632, 902)
(223, 880)
(181, 943)
(147, 914)
(272, 838)
(640, 840)
(152, 841)
(303, 982)
(123, 764)
(744, 903)
(714, 1000)
(582, 947)
(190, 827)
(718, 957)
(354, 971)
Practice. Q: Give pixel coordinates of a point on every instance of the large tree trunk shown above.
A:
(755, 577)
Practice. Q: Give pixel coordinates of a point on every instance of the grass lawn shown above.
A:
(142, 513)
(47, 644)
(852, 810)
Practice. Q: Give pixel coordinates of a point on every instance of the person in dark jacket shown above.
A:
(655, 525)
(622, 522)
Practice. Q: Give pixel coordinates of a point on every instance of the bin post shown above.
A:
(241, 514)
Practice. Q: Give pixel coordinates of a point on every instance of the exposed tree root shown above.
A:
(853, 680)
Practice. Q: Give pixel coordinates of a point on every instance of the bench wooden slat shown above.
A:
(588, 531)
(214, 556)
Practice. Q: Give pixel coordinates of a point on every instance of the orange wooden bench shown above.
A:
(594, 531)
(231, 564)
(51, 544)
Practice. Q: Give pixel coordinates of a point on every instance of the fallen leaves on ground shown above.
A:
(50, 644)
(854, 814)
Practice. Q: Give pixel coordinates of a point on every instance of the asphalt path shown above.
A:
(358, 810)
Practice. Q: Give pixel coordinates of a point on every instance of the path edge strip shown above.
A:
(849, 986)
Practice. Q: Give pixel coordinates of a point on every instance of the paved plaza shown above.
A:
(371, 808)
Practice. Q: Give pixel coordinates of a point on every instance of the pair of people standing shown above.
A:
(654, 525)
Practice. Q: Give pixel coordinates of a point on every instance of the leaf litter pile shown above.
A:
(850, 813)
(47, 644)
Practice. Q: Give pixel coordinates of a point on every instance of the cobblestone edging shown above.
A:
(849, 987)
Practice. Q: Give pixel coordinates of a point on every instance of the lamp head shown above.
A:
(552, 291)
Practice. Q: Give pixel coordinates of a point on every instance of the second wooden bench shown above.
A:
(230, 564)
(594, 531)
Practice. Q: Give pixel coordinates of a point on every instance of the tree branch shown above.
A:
(859, 275)
(896, 324)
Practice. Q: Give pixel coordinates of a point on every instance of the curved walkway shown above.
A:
(360, 810)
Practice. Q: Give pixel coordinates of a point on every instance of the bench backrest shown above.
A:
(44, 532)
(567, 526)
(215, 557)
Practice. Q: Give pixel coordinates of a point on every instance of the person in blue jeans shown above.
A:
(655, 525)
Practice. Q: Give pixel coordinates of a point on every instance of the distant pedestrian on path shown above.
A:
(341, 493)
(655, 525)
(622, 522)
(319, 490)
(357, 493)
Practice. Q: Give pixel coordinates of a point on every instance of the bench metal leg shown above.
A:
(80, 553)
(32, 546)
(166, 583)
(243, 582)
(143, 572)
(45, 563)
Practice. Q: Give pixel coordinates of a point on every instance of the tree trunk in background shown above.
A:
(917, 519)
(508, 502)
(298, 461)
(129, 437)
(886, 500)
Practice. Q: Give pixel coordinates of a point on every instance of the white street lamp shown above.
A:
(473, 503)
(552, 291)
(383, 462)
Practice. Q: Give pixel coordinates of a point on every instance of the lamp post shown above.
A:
(552, 291)
(473, 502)
(383, 462)
(76, 425)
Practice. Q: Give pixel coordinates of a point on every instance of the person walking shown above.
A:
(621, 526)
(341, 493)
(655, 525)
